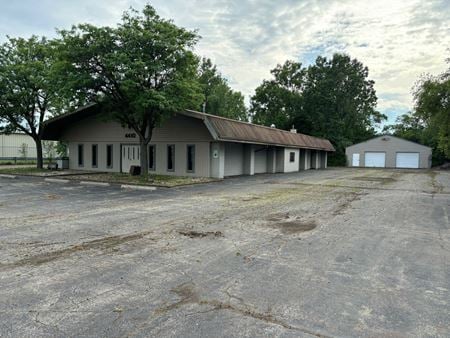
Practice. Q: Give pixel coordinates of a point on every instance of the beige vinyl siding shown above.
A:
(179, 130)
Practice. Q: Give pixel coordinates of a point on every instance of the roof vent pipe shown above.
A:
(293, 130)
(272, 126)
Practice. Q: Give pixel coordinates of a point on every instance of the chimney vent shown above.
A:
(293, 130)
(272, 126)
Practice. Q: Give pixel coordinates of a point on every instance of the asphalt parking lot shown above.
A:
(330, 253)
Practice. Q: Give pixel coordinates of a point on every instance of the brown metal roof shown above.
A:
(221, 128)
(238, 131)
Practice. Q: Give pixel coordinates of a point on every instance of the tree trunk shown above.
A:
(40, 160)
(144, 157)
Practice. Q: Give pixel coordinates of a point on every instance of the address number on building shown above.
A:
(130, 135)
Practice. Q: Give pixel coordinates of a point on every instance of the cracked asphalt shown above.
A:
(330, 253)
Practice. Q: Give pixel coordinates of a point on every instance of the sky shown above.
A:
(398, 40)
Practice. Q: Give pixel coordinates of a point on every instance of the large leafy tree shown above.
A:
(279, 101)
(333, 98)
(28, 83)
(220, 99)
(432, 106)
(140, 72)
(408, 126)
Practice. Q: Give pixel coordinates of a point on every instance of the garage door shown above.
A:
(377, 160)
(407, 160)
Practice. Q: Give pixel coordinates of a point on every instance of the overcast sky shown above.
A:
(397, 39)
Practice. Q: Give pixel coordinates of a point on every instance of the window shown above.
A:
(80, 155)
(151, 157)
(170, 157)
(109, 155)
(94, 155)
(292, 156)
(190, 158)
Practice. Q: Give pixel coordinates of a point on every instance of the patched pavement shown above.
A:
(337, 252)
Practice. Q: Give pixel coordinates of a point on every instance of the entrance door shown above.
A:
(131, 155)
(355, 160)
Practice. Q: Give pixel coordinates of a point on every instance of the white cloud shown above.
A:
(397, 39)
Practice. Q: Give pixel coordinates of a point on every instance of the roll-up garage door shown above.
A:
(373, 159)
(407, 160)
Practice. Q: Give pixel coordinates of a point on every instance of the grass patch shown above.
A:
(156, 180)
(22, 171)
(17, 162)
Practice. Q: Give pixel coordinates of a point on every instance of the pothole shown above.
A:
(290, 225)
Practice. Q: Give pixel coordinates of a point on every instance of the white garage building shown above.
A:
(388, 152)
(188, 144)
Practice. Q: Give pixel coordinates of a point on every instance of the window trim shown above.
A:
(152, 146)
(94, 145)
(187, 158)
(112, 156)
(80, 159)
(292, 157)
(167, 158)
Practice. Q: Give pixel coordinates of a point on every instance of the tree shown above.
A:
(220, 99)
(332, 98)
(432, 105)
(408, 126)
(140, 72)
(28, 85)
(279, 100)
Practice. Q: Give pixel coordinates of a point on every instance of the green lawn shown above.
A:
(23, 171)
(16, 162)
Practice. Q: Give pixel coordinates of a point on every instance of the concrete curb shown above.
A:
(99, 184)
(7, 176)
(56, 180)
(137, 187)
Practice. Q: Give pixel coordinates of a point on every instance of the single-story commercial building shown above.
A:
(388, 151)
(187, 144)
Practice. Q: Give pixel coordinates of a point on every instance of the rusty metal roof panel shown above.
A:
(233, 130)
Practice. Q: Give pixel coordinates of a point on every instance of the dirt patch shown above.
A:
(349, 198)
(382, 180)
(293, 227)
(290, 225)
(98, 244)
(437, 187)
(53, 197)
(200, 234)
(187, 295)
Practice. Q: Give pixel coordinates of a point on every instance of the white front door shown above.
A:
(375, 160)
(131, 155)
(407, 160)
(355, 160)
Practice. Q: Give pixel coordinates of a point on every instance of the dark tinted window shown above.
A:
(80, 155)
(191, 158)
(171, 157)
(151, 157)
(109, 156)
(94, 155)
(292, 156)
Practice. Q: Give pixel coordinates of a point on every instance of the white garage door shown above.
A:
(377, 160)
(407, 160)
